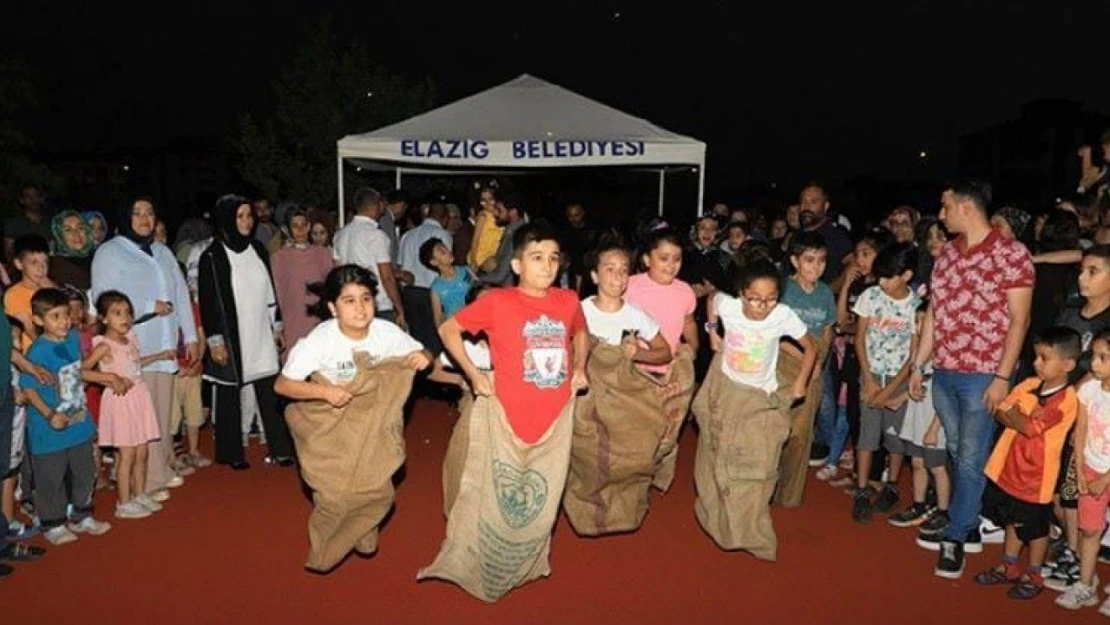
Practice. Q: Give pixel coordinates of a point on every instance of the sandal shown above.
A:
(1025, 589)
(995, 577)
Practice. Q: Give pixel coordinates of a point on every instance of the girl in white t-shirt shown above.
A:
(613, 321)
(329, 349)
(742, 412)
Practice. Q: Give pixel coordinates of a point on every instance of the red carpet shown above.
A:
(229, 548)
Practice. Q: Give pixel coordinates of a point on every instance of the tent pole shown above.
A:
(397, 182)
(701, 189)
(662, 188)
(341, 203)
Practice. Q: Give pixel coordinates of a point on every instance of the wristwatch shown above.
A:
(919, 368)
(710, 326)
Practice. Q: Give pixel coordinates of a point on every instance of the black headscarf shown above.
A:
(125, 229)
(224, 218)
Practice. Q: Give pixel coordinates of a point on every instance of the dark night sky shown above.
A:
(778, 92)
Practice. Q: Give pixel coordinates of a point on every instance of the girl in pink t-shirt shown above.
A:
(659, 292)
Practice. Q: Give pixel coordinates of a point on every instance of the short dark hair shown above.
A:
(742, 226)
(806, 240)
(757, 269)
(605, 245)
(511, 200)
(813, 184)
(29, 244)
(397, 195)
(1098, 251)
(364, 197)
(427, 250)
(1065, 341)
(297, 211)
(895, 260)
(45, 300)
(535, 232)
(978, 192)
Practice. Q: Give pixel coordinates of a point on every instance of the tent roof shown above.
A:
(524, 123)
(525, 108)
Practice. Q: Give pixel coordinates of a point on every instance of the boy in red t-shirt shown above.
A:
(530, 328)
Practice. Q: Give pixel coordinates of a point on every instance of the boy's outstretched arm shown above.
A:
(451, 335)
(581, 346)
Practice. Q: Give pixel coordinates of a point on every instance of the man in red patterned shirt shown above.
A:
(982, 288)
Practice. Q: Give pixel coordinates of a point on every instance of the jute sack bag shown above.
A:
(348, 457)
(622, 433)
(741, 432)
(678, 389)
(795, 455)
(499, 526)
(455, 460)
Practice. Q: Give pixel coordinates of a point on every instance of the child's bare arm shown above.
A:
(97, 354)
(303, 390)
(437, 309)
(168, 354)
(690, 332)
(451, 335)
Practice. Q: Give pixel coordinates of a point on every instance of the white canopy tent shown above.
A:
(526, 123)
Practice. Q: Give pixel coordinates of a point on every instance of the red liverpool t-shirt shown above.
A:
(530, 346)
(970, 306)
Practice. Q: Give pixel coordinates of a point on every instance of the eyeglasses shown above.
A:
(761, 302)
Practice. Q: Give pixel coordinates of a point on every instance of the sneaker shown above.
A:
(861, 505)
(974, 542)
(59, 535)
(1104, 609)
(131, 510)
(827, 472)
(162, 495)
(935, 524)
(929, 542)
(1065, 573)
(1025, 589)
(19, 531)
(916, 514)
(175, 482)
(181, 466)
(147, 502)
(991, 534)
(199, 461)
(1078, 596)
(89, 525)
(818, 452)
(887, 499)
(950, 565)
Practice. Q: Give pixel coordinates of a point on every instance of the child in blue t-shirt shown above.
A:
(59, 427)
(449, 293)
(813, 302)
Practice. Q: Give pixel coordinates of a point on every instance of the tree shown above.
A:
(17, 167)
(330, 89)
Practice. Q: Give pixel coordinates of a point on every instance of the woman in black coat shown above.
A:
(242, 322)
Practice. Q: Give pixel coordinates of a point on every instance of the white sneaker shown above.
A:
(161, 495)
(175, 481)
(148, 503)
(131, 510)
(89, 525)
(1078, 596)
(827, 472)
(59, 535)
(991, 533)
(1104, 609)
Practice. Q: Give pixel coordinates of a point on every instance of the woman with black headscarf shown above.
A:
(146, 271)
(241, 319)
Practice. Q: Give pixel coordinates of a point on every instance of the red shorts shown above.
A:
(1092, 508)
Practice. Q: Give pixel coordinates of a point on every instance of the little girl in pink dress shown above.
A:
(127, 421)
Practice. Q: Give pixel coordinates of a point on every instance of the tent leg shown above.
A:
(662, 189)
(397, 181)
(342, 213)
(701, 190)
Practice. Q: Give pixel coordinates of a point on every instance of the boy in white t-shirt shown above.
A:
(613, 321)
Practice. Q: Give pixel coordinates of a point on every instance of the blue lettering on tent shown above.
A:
(539, 150)
(445, 149)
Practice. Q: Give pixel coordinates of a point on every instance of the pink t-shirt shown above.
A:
(667, 304)
(970, 307)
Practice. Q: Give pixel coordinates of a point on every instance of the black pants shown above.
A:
(229, 417)
(418, 313)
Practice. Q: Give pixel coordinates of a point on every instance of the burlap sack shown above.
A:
(455, 460)
(678, 389)
(499, 526)
(740, 439)
(348, 457)
(622, 434)
(795, 455)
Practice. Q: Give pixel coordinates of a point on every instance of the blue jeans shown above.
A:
(839, 436)
(969, 428)
(826, 412)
